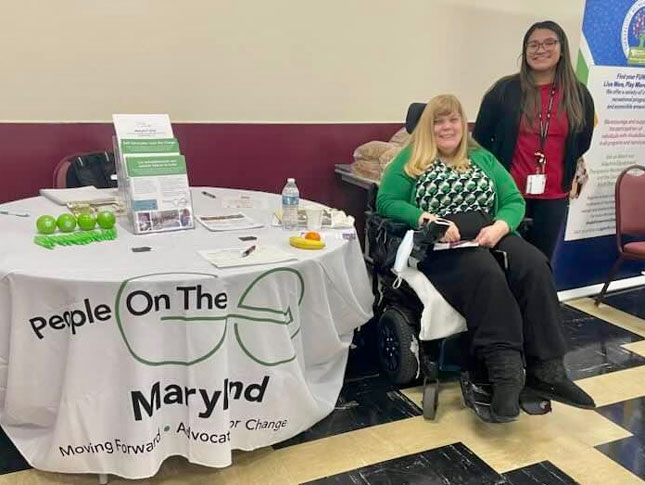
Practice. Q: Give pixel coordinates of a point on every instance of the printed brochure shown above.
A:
(152, 174)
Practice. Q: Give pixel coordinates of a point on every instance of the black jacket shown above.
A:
(498, 124)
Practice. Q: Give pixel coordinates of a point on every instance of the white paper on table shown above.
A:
(80, 195)
(244, 202)
(232, 257)
(228, 222)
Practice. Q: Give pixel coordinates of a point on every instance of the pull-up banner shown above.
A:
(611, 62)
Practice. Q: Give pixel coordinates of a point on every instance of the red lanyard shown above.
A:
(544, 125)
(540, 157)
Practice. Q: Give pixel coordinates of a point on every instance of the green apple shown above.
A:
(106, 219)
(46, 224)
(86, 221)
(66, 222)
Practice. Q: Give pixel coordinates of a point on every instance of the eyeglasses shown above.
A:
(548, 45)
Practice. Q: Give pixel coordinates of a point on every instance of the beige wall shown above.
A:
(258, 60)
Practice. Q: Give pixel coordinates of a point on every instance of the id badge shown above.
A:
(535, 184)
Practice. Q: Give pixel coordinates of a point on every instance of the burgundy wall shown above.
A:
(249, 156)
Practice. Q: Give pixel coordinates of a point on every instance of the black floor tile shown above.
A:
(363, 402)
(454, 464)
(629, 415)
(595, 345)
(10, 459)
(631, 301)
(544, 473)
(628, 452)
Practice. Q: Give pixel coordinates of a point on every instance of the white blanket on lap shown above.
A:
(438, 319)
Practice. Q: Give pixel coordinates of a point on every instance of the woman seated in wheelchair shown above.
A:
(512, 316)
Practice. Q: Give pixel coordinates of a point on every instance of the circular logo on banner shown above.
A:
(633, 34)
(183, 318)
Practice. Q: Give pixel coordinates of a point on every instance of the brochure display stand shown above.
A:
(151, 173)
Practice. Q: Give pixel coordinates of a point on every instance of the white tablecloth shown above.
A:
(111, 361)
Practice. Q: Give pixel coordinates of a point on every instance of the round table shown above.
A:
(112, 360)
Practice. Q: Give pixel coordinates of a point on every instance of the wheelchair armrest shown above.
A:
(383, 236)
(386, 225)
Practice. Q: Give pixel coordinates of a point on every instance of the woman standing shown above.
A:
(510, 314)
(538, 123)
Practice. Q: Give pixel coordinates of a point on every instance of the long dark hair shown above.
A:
(565, 79)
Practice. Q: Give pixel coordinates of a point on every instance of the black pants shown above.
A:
(513, 309)
(548, 216)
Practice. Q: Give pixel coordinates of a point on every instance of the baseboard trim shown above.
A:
(595, 289)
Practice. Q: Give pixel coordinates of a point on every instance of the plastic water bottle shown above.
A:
(290, 202)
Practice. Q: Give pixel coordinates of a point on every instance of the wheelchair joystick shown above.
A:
(428, 234)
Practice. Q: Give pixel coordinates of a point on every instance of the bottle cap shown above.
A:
(291, 181)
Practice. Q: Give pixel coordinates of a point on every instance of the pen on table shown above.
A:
(208, 194)
(248, 251)
(17, 214)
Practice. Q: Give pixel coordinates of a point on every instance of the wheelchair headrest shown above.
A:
(412, 118)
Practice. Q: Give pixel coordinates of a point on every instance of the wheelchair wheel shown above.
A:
(430, 399)
(394, 339)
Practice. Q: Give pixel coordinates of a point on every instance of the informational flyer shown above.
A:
(142, 127)
(153, 174)
(612, 63)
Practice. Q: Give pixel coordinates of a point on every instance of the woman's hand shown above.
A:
(489, 236)
(426, 217)
(452, 234)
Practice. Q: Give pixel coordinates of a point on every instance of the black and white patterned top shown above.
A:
(442, 190)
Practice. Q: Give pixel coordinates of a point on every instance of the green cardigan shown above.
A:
(395, 197)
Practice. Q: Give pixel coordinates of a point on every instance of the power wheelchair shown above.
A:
(397, 311)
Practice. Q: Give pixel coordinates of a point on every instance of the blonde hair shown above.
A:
(424, 144)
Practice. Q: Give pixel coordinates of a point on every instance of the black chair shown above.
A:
(81, 169)
(412, 118)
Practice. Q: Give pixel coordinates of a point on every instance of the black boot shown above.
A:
(506, 374)
(548, 379)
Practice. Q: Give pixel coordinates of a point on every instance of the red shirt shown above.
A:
(528, 142)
